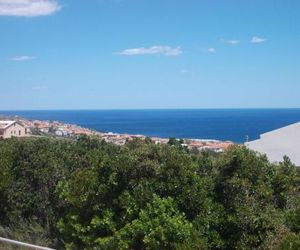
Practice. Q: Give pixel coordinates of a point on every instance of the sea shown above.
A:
(237, 125)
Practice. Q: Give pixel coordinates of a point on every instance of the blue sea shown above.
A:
(221, 124)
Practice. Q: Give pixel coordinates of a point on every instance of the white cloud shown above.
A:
(211, 50)
(232, 42)
(39, 87)
(28, 8)
(256, 39)
(22, 58)
(154, 50)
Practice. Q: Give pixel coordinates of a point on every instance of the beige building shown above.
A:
(10, 129)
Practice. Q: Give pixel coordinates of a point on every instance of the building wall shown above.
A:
(15, 130)
(279, 143)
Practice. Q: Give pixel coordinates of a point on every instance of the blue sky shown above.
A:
(122, 54)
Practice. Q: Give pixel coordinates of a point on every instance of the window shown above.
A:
(19, 132)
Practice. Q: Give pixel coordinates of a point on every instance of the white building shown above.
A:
(278, 143)
(10, 129)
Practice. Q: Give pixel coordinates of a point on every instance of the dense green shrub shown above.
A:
(89, 194)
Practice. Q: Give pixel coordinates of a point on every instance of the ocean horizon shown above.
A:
(220, 124)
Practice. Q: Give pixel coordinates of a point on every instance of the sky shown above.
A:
(148, 54)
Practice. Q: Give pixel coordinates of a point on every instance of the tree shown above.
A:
(244, 187)
(89, 194)
(159, 226)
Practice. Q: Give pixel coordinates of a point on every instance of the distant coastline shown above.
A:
(220, 124)
(65, 130)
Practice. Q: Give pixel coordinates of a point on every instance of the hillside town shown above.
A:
(59, 129)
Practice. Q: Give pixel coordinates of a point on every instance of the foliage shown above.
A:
(26, 231)
(159, 226)
(89, 194)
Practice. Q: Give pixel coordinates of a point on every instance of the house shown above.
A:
(10, 129)
(279, 143)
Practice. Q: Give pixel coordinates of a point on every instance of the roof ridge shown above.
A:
(285, 127)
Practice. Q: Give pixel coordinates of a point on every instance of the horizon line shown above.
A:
(147, 109)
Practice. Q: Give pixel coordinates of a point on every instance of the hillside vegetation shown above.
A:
(88, 194)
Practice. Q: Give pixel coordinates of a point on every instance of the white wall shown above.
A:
(278, 143)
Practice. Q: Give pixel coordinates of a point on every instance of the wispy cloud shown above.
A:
(211, 50)
(154, 50)
(28, 8)
(232, 42)
(22, 58)
(257, 39)
(39, 87)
